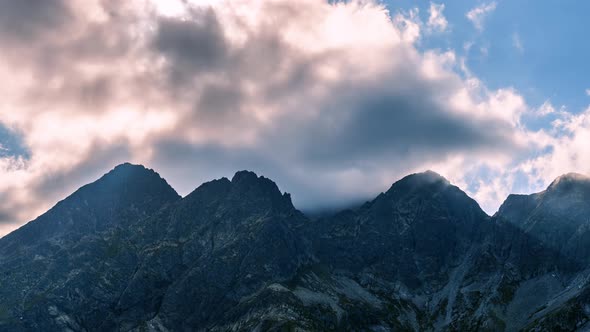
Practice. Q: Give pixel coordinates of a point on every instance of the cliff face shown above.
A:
(126, 253)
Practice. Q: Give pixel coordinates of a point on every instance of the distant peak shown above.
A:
(431, 191)
(572, 176)
(427, 177)
(247, 179)
(568, 180)
(431, 175)
(244, 176)
(249, 183)
(420, 180)
(128, 174)
(129, 167)
(128, 170)
(246, 188)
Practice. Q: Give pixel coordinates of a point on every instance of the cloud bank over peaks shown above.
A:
(334, 101)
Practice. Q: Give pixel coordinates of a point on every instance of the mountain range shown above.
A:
(127, 253)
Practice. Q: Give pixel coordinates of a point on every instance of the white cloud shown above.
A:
(478, 14)
(408, 25)
(324, 98)
(546, 108)
(588, 92)
(436, 20)
(568, 150)
(517, 42)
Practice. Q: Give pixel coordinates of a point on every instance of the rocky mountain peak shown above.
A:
(570, 182)
(125, 194)
(558, 216)
(565, 190)
(247, 180)
(419, 181)
(248, 184)
(128, 174)
(429, 189)
(126, 251)
(244, 176)
(126, 184)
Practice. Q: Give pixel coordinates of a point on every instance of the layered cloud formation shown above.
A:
(334, 101)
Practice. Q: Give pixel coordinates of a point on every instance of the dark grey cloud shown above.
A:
(6, 217)
(220, 101)
(264, 103)
(191, 46)
(52, 41)
(375, 123)
(396, 120)
(209, 75)
(29, 20)
(393, 115)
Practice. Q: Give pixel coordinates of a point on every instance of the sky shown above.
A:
(333, 100)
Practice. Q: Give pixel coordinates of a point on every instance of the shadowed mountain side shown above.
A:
(66, 255)
(223, 241)
(126, 253)
(440, 248)
(559, 216)
(126, 193)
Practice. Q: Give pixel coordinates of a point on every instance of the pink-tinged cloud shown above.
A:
(332, 100)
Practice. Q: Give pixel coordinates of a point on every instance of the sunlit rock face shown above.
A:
(126, 253)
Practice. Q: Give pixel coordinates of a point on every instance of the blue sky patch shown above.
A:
(11, 143)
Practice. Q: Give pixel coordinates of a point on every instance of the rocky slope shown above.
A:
(126, 253)
(70, 259)
(560, 218)
(427, 244)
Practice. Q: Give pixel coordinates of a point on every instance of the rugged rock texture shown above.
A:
(560, 218)
(70, 260)
(428, 245)
(126, 253)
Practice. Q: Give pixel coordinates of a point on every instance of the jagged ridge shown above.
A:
(127, 253)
